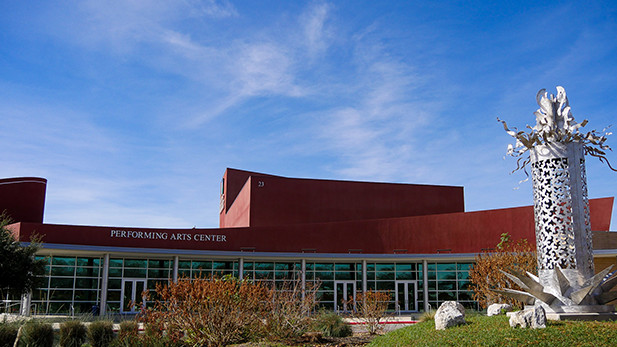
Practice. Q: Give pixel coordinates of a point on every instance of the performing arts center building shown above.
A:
(415, 241)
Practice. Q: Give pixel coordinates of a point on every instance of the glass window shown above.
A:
(324, 267)
(405, 267)
(115, 262)
(87, 283)
(95, 262)
(184, 264)
(87, 271)
(446, 267)
(464, 266)
(344, 267)
(158, 264)
(57, 282)
(57, 295)
(284, 266)
(264, 266)
(138, 263)
(115, 272)
(128, 272)
(384, 267)
(204, 265)
(248, 265)
(70, 261)
(62, 271)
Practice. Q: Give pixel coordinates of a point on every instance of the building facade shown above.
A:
(414, 241)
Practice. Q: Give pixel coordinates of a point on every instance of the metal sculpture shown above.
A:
(566, 281)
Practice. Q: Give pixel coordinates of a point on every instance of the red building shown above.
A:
(413, 240)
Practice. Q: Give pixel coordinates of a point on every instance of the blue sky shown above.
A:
(133, 109)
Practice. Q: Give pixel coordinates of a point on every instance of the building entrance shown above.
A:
(132, 295)
(406, 296)
(343, 292)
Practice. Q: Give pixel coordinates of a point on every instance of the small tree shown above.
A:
(485, 276)
(20, 271)
(289, 309)
(370, 308)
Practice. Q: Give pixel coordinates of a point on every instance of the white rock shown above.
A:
(449, 314)
(534, 318)
(497, 309)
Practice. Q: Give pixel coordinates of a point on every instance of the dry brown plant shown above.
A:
(209, 311)
(290, 308)
(485, 276)
(370, 308)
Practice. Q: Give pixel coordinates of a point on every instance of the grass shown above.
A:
(495, 331)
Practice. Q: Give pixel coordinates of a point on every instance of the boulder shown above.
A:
(497, 309)
(534, 318)
(449, 314)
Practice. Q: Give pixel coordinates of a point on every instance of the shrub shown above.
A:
(331, 324)
(101, 333)
(288, 312)
(428, 316)
(216, 311)
(485, 276)
(8, 334)
(370, 308)
(37, 334)
(128, 335)
(72, 333)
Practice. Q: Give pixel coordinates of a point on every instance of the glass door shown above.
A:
(132, 295)
(406, 296)
(344, 291)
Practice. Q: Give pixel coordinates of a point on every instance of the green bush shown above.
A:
(101, 333)
(37, 334)
(8, 333)
(330, 324)
(72, 333)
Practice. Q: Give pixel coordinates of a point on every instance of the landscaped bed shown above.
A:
(495, 331)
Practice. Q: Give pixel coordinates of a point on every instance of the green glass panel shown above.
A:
(370, 266)
(298, 266)
(385, 285)
(85, 295)
(345, 275)
(87, 283)
(309, 266)
(324, 275)
(385, 276)
(432, 285)
(184, 264)
(324, 267)
(248, 275)
(115, 262)
(264, 266)
(446, 276)
(283, 266)
(370, 275)
(462, 275)
(430, 267)
(159, 263)
(405, 267)
(432, 296)
(465, 296)
(87, 272)
(463, 266)
(284, 275)
(158, 273)
(248, 265)
(64, 295)
(431, 275)
(370, 285)
(310, 275)
(327, 286)
(62, 271)
(39, 294)
(69, 261)
(405, 275)
(184, 273)
(115, 272)
(152, 284)
(204, 265)
(384, 267)
(463, 285)
(344, 267)
(359, 267)
(128, 272)
(446, 296)
(222, 265)
(135, 263)
(95, 262)
(57, 282)
(446, 285)
(114, 284)
(446, 267)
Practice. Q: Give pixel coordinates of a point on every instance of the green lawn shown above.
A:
(495, 331)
